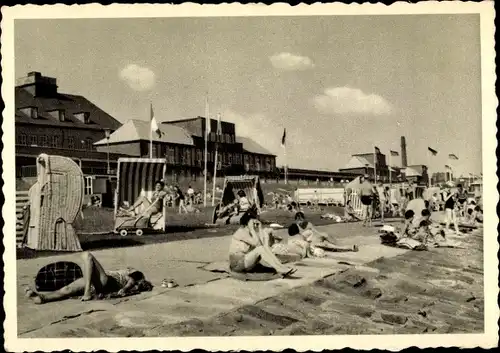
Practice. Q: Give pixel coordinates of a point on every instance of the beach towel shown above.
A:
(259, 273)
(57, 275)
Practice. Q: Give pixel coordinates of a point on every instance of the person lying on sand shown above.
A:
(293, 247)
(318, 241)
(250, 246)
(95, 282)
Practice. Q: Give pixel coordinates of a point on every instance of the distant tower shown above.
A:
(404, 157)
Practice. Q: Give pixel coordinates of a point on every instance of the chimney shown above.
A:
(404, 157)
(38, 85)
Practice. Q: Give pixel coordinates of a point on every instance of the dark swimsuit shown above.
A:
(366, 200)
(450, 203)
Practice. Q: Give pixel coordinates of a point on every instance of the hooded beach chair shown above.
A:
(352, 193)
(136, 177)
(55, 201)
(232, 184)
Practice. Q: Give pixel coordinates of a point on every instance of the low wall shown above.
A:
(321, 196)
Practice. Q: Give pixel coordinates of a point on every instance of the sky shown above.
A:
(340, 85)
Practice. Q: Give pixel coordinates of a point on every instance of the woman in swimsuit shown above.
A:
(251, 246)
(318, 241)
(151, 207)
(95, 282)
(180, 199)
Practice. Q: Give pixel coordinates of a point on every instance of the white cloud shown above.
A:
(345, 100)
(137, 77)
(291, 62)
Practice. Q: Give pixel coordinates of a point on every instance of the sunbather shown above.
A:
(95, 282)
(153, 206)
(251, 246)
(318, 241)
(293, 247)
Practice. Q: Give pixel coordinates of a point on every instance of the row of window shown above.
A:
(54, 142)
(58, 114)
(224, 138)
(188, 156)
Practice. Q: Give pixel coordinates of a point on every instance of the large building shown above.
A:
(48, 121)
(364, 163)
(182, 143)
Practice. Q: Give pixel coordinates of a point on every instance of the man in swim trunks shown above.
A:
(461, 199)
(449, 199)
(366, 195)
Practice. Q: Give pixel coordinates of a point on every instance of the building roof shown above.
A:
(357, 161)
(251, 146)
(137, 130)
(411, 172)
(71, 104)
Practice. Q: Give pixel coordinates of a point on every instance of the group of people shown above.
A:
(381, 200)
(162, 195)
(253, 245)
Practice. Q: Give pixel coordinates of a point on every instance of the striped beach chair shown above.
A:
(356, 204)
(136, 177)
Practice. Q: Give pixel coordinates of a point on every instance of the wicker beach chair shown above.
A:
(55, 201)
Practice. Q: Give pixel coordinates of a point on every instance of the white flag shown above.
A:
(154, 125)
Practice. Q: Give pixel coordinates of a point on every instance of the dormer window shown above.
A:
(58, 114)
(83, 117)
(32, 112)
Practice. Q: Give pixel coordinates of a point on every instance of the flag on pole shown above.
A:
(394, 153)
(447, 166)
(154, 125)
(433, 151)
(453, 156)
(283, 139)
(219, 125)
(377, 150)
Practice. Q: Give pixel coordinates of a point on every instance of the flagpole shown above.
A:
(207, 122)
(375, 165)
(428, 169)
(286, 167)
(150, 133)
(215, 159)
(390, 175)
(215, 173)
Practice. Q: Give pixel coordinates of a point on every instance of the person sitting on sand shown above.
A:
(250, 247)
(318, 241)
(153, 206)
(96, 282)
